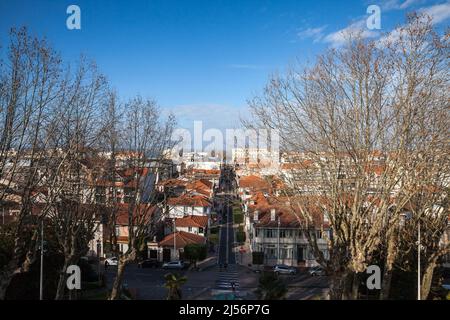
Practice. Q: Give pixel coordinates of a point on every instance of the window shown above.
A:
(270, 233)
(100, 195)
(128, 195)
(200, 230)
(271, 252)
(117, 231)
(285, 253)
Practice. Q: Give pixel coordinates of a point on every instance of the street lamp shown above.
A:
(41, 277)
(98, 259)
(174, 238)
(418, 262)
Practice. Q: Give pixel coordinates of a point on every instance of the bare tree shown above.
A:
(146, 138)
(30, 87)
(74, 214)
(350, 121)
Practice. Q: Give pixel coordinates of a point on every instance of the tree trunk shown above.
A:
(355, 286)
(337, 286)
(117, 285)
(386, 284)
(388, 266)
(347, 283)
(427, 279)
(60, 289)
(13, 267)
(5, 279)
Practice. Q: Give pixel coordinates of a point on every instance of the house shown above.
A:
(172, 187)
(249, 185)
(171, 247)
(143, 213)
(192, 224)
(275, 229)
(201, 186)
(125, 185)
(188, 204)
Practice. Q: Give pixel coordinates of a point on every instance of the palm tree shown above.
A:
(174, 281)
(270, 287)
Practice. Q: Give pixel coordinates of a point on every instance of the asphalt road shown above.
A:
(226, 241)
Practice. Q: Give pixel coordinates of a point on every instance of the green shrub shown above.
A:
(240, 236)
(237, 210)
(195, 252)
(214, 238)
(238, 218)
(214, 230)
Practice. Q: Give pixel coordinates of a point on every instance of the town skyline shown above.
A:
(164, 150)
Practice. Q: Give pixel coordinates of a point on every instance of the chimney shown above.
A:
(272, 214)
(256, 215)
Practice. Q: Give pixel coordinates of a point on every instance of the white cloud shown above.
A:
(438, 12)
(315, 33)
(407, 4)
(356, 28)
(397, 4)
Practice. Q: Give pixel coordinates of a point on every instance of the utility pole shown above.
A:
(174, 238)
(41, 279)
(418, 262)
(227, 230)
(278, 254)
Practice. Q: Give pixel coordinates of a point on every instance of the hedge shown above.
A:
(240, 236)
(238, 218)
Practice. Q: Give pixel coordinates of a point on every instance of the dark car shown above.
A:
(149, 263)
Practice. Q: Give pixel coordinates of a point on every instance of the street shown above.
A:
(226, 276)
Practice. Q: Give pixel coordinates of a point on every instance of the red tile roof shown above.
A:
(181, 239)
(201, 186)
(305, 164)
(192, 221)
(290, 216)
(143, 211)
(254, 182)
(259, 198)
(173, 183)
(205, 171)
(188, 200)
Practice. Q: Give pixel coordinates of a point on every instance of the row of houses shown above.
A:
(273, 222)
(176, 209)
(274, 227)
(187, 219)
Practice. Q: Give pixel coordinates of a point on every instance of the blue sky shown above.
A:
(202, 59)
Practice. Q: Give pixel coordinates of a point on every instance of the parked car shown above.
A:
(283, 269)
(173, 265)
(148, 263)
(317, 271)
(111, 261)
